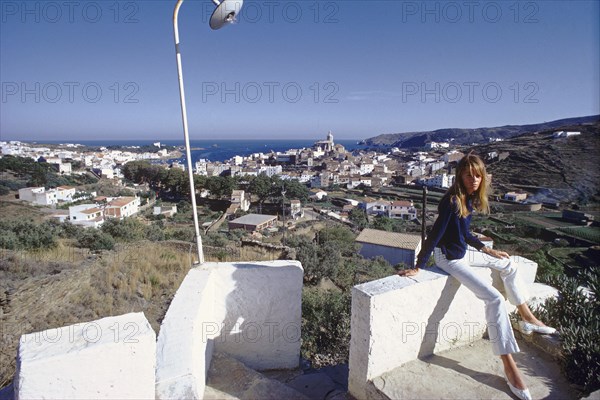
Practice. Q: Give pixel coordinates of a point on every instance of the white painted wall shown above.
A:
(251, 310)
(396, 320)
(183, 350)
(110, 358)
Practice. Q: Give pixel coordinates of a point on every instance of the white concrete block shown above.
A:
(262, 312)
(250, 310)
(396, 320)
(184, 350)
(108, 358)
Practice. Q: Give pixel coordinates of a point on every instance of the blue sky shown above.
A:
(293, 69)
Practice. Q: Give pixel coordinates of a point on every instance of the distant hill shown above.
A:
(563, 169)
(460, 136)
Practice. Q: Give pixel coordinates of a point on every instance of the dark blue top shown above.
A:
(450, 233)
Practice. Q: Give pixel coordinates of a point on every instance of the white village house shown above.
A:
(42, 197)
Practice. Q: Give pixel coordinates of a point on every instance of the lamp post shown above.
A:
(283, 209)
(224, 13)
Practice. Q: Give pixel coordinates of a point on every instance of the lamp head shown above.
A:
(225, 13)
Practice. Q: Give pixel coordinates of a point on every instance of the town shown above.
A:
(326, 166)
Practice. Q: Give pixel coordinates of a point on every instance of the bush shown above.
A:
(547, 270)
(28, 235)
(186, 234)
(95, 240)
(325, 326)
(576, 315)
(8, 240)
(71, 231)
(126, 230)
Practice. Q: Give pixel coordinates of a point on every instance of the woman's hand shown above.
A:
(408, 272)
(496, 253)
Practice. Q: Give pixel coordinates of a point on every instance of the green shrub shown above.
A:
(548, 270)
(126, 230)
(8, 240)
(155, 233)
(95, 240)
(28, 235)
(576, 315)
(325, 326)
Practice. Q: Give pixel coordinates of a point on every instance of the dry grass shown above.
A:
(15, 209)
(43, 290)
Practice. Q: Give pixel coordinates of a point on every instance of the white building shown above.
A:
(403, 210)
(563, 134)
(443, 181)
(376, 207)
(437, 145)
(239, 197)
(296, 210)
(270, 170)
(87, 215)
(122, 207)
(366, 168)
(38, 196)
(65, 193)
(514, 196)
(317, 194)
(166, 210)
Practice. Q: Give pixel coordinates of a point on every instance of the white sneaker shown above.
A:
(528, 328)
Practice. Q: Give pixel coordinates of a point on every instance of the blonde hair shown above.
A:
(458, 192)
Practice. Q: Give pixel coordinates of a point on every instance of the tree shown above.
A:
(220, 186)
(296, 190)
(358, 218)
(342, 237)
(383, 223)
(261, 187)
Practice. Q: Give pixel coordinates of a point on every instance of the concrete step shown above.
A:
(230, 379)
(472, 372)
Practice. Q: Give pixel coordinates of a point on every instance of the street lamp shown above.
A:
(224, 13)
(283, 209)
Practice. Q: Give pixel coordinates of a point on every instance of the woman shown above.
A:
(448, 241)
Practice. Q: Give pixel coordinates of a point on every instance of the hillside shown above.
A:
(564, 169)
(468, 136)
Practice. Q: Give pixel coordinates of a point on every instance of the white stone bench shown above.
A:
(250, 310)
(110, 358)
(397, 319)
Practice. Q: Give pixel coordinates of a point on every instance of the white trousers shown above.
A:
(498, 322)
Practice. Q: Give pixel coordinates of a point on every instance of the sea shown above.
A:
(218, 150)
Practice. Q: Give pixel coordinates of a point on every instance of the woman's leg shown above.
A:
(515, 289)
(512, 372)
(499, 327)
(527, 315)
